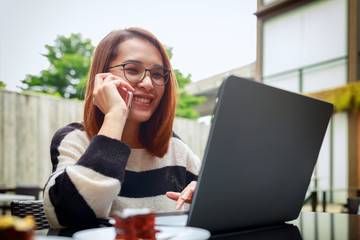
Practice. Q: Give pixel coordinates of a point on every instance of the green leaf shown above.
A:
(2, 84)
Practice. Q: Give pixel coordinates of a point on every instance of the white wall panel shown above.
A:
(289, 82)
(281, 43)
(324, 31)
(310, 34)
(341, 227)
(323, 163)
(325, 77)
(340, 156)
(323, 223)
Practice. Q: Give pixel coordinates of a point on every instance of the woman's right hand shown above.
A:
(106, 94)
(107, 98)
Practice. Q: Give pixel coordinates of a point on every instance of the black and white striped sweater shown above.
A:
(90, 179)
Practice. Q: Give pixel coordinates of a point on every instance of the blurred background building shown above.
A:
(307, 47)
(310, 47)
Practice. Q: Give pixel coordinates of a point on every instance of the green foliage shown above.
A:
(69, 62)
(186, 102)
(346, 98)
(2, 84)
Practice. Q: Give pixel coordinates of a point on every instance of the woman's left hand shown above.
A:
(184, 197)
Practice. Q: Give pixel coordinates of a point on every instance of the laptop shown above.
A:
(261, 152)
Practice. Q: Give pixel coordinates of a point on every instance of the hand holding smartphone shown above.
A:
(127, 96)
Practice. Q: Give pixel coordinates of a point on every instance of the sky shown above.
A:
(207, 36)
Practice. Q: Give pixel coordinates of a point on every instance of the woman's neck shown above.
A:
(131, 134)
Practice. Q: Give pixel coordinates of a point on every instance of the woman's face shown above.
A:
(147, 95)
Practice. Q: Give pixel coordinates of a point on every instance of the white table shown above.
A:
(4, 197)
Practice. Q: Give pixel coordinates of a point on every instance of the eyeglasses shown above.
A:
(136, 72)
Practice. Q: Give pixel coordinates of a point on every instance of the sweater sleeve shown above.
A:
(87, 177)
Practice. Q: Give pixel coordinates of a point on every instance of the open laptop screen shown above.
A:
(262, 149)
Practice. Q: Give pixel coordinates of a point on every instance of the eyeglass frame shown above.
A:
(146, 70)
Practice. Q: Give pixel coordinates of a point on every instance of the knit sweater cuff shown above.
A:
(107, 156)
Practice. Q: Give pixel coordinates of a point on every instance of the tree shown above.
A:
(69, 62)
(186, 102)
(2, 84)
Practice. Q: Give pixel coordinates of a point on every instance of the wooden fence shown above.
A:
(28, 122)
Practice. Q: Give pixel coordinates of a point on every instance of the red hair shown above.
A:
(155, 133)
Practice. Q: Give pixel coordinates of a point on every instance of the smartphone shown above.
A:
(127, 96)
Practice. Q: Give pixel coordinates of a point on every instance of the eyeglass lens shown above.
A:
(135, 72)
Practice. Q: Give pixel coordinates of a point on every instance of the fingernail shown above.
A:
(177, 206)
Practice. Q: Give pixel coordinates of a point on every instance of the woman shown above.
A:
(119, 158)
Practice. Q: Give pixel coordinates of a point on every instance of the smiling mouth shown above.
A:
(142, 100)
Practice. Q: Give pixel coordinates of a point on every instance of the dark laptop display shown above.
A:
(261, 152)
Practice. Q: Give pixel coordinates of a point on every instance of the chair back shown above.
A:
(32, 190)
(34, 208)
(353, 205)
